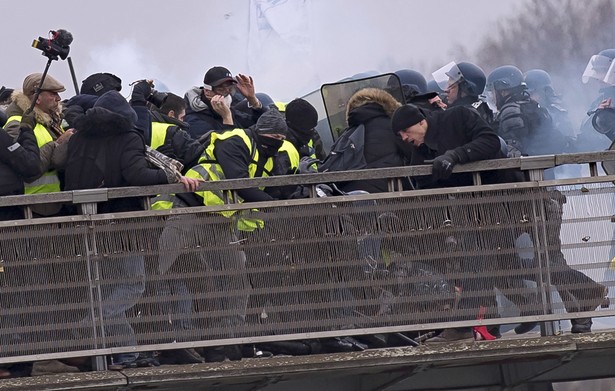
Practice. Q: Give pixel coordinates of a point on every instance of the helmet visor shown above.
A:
(447, 75)
(609, 78)
(597, 68)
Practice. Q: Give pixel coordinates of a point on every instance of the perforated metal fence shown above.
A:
(398, 261)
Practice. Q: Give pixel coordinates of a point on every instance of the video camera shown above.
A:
(56, 45)
(604, 121)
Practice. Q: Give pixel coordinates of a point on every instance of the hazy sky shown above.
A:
(177, 41)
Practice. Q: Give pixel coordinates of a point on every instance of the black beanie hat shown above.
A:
(271, 122)
(99, 83)
(406, 116)
(301, 115)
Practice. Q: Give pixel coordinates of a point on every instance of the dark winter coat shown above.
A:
(373, 108)
(18, 160)
(462, 130)
(107, 151)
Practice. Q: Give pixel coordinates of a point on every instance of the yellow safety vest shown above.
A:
(159, 134)
(209, 170)
(49, 182)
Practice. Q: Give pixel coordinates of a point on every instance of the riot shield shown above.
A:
(336, 96)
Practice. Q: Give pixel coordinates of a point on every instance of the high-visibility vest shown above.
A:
(209, 170)
(159, 134)
(49, 182)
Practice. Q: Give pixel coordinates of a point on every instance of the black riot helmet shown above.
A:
(473, 78)
(504, 78)
(412, 80)
(537, 79)
(610, 53)
(470, 77)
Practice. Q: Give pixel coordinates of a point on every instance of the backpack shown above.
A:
(347, 151)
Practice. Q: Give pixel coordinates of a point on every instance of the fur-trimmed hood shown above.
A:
(372, 95)
(20, 103)
(111, 114)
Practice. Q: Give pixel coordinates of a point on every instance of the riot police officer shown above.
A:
(463, 84)
(598, 128)
(540, 88)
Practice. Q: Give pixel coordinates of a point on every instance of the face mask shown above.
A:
(228, 100)
(269, 146)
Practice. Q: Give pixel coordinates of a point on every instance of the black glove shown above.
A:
(28, 120)
(140, 92)
(306, 165)
(443, 165)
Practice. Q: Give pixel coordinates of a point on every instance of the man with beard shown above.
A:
(50, 136)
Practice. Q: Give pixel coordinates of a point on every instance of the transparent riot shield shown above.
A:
(336, 96)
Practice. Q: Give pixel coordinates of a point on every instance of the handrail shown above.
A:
(523, 163)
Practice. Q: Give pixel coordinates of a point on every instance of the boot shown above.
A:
(600, 298)
(523, 328)
(581, 325)
(51, 367)
(453, 335)
(180, 356)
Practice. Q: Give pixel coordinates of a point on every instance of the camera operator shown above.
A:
(50, 136)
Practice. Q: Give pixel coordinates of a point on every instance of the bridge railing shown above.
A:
(321, 267)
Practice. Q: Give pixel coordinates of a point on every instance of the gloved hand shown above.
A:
(443, 165)
(28, 120)
(306, 165)
(141, 92)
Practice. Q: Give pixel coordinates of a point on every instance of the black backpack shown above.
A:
(346, 152)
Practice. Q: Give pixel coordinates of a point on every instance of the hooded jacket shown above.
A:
(202, 117)
(107, 151)
(373, 108)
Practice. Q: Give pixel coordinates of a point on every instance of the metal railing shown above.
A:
(97, 284)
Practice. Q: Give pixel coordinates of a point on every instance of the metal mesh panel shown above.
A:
(322, 265)
(44, 287)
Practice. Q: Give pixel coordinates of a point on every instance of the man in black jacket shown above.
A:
(455, 136)
(107, 151)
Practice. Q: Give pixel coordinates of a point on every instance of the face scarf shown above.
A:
(269, 146)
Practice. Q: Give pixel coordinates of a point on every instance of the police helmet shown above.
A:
(504, 78)
(470, 77)
(473, 78)
(412, 79)
(610, 53)
(432, 86)
(537, 79)
(599, 67)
